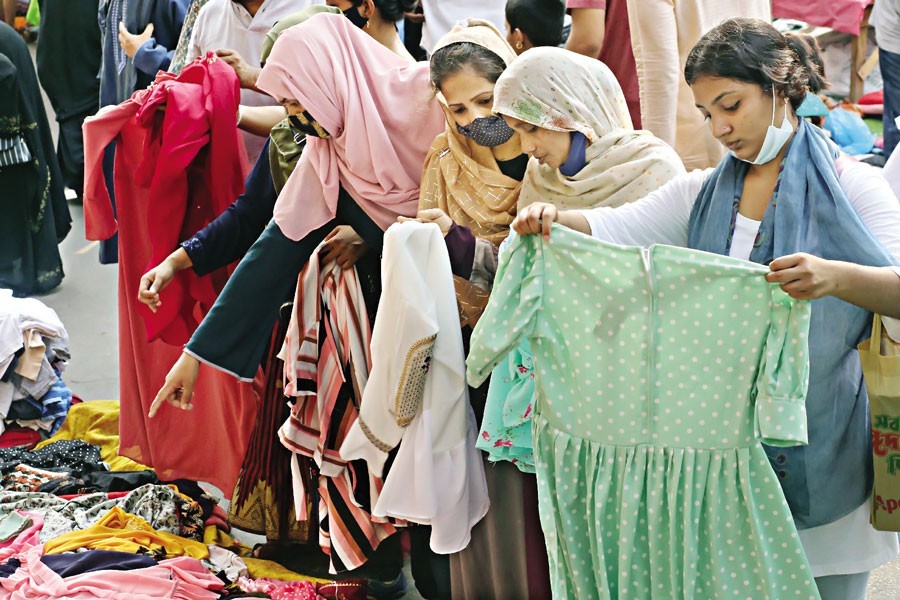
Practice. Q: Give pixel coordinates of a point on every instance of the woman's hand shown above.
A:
(431, 215)
(159, 277)
(804, 276)
(179, 386)
(246, 73)
(536, 218)
(343, 246)
(130, 42)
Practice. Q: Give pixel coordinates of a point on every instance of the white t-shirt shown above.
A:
(886, 21)
(745, 230)
(850, 544)
(224, 24)
(442, 15)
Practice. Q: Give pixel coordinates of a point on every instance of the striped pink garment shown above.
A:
(327, 379)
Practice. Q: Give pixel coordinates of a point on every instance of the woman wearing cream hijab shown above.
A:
(572, 119)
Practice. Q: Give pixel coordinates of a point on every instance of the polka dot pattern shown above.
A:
(658, 373)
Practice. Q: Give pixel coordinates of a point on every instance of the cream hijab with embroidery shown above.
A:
(563, 91)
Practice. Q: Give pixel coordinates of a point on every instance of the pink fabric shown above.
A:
(379, 109)
(180, 578)
(349, 589)
(26, 539)
(274, 588)
(616, 51)
(225, 408)
(601, 4)
(841, 15)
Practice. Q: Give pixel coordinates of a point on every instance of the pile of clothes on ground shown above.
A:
(34, 350)
(79, 521)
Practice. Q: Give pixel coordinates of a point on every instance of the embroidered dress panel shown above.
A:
(659, 372)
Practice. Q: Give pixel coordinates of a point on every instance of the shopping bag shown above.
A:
(880, 358)
(849, 131)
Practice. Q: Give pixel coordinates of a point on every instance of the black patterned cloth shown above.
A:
(72, 456)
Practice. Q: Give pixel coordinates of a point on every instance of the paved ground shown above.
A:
(86, 303)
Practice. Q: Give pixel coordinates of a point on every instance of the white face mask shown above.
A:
(776, 137)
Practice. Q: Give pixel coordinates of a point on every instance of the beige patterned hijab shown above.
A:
(563, 91)
(460, 177)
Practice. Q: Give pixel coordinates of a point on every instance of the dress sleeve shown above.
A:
(661, 217)
(474, 259)
(153, 56)
(601, 4)
(512, 311)
(461, 248)
(783, 377)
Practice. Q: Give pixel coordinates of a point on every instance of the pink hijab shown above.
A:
(379, 109)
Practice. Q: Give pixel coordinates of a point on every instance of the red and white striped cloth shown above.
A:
(316, 373)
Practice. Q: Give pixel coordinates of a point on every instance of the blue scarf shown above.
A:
(810, 213)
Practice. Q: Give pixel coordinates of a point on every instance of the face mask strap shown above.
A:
(773, 106)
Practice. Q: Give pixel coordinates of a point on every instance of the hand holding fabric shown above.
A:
(179, 386)
(246, 73)
(804, 276)
(536, 218)
(343, 246)
(432, 215)
(159, 277)
(131, 42)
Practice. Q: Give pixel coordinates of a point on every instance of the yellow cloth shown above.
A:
(460, 177)
(97, 422)
(124, 532)
(257, 567)
(562, 91)
(213, 536)
(260, 568)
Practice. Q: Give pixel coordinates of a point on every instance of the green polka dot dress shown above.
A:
(659, 372)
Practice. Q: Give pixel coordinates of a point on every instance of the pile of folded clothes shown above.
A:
(34, 350)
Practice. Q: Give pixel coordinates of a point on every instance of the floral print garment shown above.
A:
(506, 426)
(165, 509)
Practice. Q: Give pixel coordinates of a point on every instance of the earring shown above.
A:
(367, 25)
(518, 45)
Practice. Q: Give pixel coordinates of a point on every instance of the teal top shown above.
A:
(658, 373)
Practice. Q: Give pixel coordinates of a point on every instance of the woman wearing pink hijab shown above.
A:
(370, 117)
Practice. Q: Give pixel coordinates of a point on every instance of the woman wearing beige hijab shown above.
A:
(572, 119)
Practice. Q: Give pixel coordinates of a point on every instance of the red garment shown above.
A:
(204, 162)
(616, 52)
(16, 437)
(190, 121)
(109, 495)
